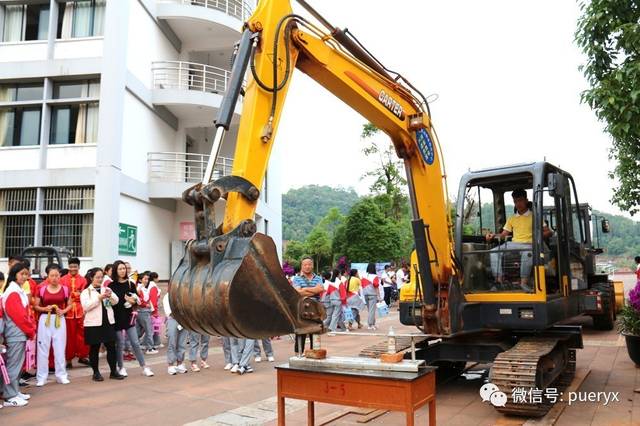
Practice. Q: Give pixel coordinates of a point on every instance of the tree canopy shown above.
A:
(304, 207)
(367, 235)
(609, 35)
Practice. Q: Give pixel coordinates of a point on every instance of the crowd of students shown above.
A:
(345, 293)
(43, 327)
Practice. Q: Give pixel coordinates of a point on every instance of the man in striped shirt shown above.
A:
(308, 284)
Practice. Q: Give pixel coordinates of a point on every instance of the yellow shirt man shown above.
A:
(521, 227)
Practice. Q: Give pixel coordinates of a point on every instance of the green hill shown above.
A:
(624, 239)
(302, 208)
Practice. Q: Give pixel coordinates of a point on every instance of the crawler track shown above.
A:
(522, 367)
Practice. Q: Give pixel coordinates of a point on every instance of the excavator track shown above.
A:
(403, 344)
(522, 367)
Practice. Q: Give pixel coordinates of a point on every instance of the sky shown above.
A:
(506, 77)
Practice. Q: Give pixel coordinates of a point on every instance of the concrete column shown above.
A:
(45, 122)
(109, 147)
(37, 234)
(54, 7)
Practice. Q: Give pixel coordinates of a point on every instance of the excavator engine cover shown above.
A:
(233, 285)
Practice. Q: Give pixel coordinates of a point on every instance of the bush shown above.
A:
(629, 320)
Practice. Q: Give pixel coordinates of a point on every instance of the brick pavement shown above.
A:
(215, 394)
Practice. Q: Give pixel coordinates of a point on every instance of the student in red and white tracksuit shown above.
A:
(337, 295)
(154, 299)
(18, 327)
(369, 284)
(145, 309)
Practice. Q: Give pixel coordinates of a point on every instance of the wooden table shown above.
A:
(381, 390)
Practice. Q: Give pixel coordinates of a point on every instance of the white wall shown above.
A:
(20, 158)
(23, 51)
(201, 147)
(154, 235)
(273, 207)
(70, 156)
(146, 44)
(90, 47)
(143, 132)
(218, 58)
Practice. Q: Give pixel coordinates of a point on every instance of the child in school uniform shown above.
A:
(154, 299)
(177, 341)
(18, 327)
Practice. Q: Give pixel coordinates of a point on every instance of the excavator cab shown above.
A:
(537, 272)
(535, 277)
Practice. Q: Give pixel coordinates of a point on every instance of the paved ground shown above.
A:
(215, 396)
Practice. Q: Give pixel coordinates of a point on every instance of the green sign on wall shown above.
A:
(128, 239)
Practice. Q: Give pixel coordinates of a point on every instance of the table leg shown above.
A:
(310, 413)
(409, 415)
(432, 412)
(280, 411)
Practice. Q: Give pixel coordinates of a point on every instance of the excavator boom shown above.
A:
(230, 281)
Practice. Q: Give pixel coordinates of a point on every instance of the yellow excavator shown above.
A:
(230, 281)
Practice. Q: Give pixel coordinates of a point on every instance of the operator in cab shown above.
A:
(520, 228)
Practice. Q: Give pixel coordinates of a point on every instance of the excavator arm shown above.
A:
(230, 281)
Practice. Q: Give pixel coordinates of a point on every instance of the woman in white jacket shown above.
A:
(99, 322)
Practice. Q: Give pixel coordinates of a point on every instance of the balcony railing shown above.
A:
(182, 75)
(184, 167)
(236, 8)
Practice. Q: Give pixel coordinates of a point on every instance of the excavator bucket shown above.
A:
(233, 285)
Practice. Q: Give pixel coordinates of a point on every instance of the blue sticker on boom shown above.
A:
(425, 146)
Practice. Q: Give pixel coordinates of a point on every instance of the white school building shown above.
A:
(106, 117)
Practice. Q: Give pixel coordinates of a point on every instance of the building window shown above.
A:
(73, 231)
(20, 126)
(81, 19)
(75, 123)
(17, 220)
(18, 200)
(25, 22)
(21, 92)
(76, 89)
(74, 198)
(66, 219)
(16, 233)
